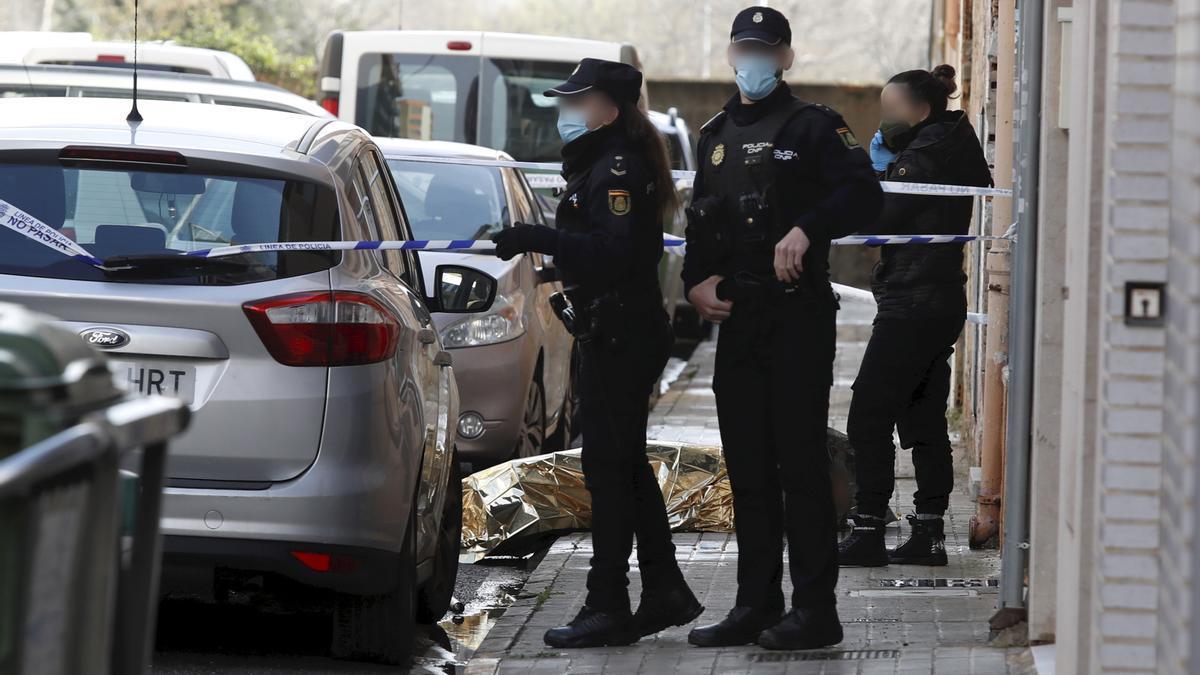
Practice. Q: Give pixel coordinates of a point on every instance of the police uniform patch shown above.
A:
(848, 138)
(718, 154)
(618, 202)
(618, 167)
(758, 17)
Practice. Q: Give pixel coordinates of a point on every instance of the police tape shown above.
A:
(28, 226)
(685, 178)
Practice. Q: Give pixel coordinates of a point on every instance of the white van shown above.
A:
(473, 87)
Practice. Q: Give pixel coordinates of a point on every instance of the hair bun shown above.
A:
(946, 73)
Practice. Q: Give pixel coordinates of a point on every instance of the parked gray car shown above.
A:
(321, 448)
(513, 361)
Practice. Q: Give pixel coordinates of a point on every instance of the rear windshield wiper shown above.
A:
(171, 264)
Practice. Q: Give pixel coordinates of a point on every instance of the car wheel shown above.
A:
(434, 597)
(379, 627)
(531, 441)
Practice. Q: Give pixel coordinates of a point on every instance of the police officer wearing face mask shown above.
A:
(779, 178)
(606, 249)
(904, 380)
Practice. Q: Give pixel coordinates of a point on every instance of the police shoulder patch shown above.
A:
(847, 137)
(618, 166)
(618, 202)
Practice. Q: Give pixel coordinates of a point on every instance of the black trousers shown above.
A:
(614, 389)
(774, 368)
(903, 385)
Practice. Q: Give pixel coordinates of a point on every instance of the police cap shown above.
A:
(761, 24)
(621, 81)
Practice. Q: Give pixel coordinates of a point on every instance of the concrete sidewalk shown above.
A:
(897, 619)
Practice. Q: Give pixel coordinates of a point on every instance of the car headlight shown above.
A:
(504, 321)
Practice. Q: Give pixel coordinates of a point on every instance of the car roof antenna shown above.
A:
(134, 116)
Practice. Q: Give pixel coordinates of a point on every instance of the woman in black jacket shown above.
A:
(904, 380)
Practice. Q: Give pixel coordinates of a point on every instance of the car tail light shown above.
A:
(324, 562)
(458, 45)
(325, 329)
(330, 103)
(121, 155)
(110, 58)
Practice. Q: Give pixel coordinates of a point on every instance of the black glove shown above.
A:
(522, 238)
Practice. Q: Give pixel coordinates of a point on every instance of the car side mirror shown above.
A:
(462, 290)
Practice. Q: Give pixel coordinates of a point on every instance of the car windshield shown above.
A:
(451, 201)
(120, 212)
(438, 97)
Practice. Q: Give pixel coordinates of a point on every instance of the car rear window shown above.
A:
(116, 212)
(451, 201)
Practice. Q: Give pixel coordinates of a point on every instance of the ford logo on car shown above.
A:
(105, 338)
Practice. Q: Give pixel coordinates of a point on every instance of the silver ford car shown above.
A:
(321, 449)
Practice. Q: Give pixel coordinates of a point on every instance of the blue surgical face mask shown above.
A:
(757, 75)
(571, 124)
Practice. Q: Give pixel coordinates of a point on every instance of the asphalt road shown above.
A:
(196, 637)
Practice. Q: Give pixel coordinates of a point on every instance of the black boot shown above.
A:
(864, 547)
(808, 628)
(660, 610)
(740, 627)
(926, 545)
(593, 628)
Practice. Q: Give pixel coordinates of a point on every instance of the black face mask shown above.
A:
(896, 134)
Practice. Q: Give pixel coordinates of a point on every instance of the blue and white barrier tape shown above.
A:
(673, 245)
(685, 178)
(28, 226)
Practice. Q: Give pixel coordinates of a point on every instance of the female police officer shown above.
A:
(904, 379)
(606, 248)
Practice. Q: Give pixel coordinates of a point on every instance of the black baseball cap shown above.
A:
(621, 81)
(761, 24)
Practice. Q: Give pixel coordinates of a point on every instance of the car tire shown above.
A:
(379, 627)
(531, 437)
(435, 595)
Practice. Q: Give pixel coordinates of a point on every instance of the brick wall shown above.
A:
(1178, 632)
(1137, 163)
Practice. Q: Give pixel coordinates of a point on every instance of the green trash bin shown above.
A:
(69, 601)
(49, 378)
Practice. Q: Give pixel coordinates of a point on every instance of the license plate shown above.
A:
(167, 379)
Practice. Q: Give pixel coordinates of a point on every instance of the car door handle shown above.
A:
(427, 336)
(443, 359)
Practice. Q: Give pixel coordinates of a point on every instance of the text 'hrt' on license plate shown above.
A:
(167, 379)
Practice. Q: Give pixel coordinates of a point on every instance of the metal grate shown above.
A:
(827, 655)
(939, 582)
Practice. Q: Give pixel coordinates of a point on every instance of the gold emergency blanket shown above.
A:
(506, 505)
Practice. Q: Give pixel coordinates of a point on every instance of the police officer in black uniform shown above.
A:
(904, 380)
(778, 179)
(606, 248)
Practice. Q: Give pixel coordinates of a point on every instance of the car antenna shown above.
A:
(134, 116)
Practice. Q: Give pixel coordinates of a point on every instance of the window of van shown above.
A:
(438, 97)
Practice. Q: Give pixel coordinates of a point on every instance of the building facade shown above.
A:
(1115, 417)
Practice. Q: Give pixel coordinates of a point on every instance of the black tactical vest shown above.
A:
(742, 172)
